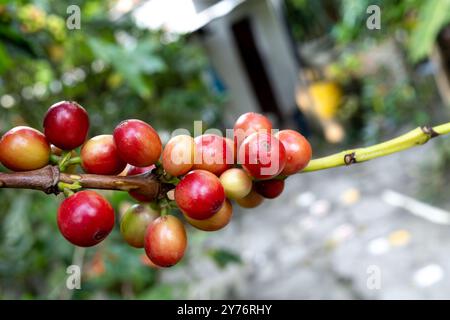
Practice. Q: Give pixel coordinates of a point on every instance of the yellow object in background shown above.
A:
(56, 52)
(326, 97)
(334, 132)
(322, 99)
(350, 196)
(399, 238)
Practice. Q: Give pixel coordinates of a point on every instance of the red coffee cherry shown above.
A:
(249, 123)
(232, 148)
(269, 189)
(213, 154)
(85, 218)
(298, 151)
(66, 125)
(178, 155)
(218, 221)
(134, 222)
(252, 200)
(236, 183)
(133, 171)
(99, 155)
(262, 156)
(138, 143)
(147, 262)
(23, 149)
(199, 194)
(165, 241)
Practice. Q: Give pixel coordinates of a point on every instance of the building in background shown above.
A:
(249, 46)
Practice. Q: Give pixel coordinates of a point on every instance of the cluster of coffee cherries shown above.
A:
(206, 172)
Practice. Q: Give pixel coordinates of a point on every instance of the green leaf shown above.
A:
(432, 17)
(5, 60)
(159, 292)
(132, 64)
(16, 227)
(224, 257)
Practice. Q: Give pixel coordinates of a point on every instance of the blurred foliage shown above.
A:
(112, 68)
(433, 16)
(224, 257)
(116, 71)
(310, 19)
(377, 102)
(376, 105)
(420, 21)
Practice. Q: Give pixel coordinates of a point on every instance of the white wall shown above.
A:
(275, 51)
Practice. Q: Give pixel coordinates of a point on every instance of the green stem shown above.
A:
(68, 192)
(164, 211)
(411, 139)
(65, 157)
(54, 159)
(167, 178)
(73, 161)
(69, 188)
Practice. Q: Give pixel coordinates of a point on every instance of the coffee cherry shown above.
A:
(99, 155)
(85, 218)
(249, 123)
(298, 151)
(231, 145)
(212, 154)
(165, 241)
(262, 156)
(23, 149)
(134, 222)
(147, 262)
(178, 155)
(252, 200)
(269, 189)
(138, 143)
(133, 171)
(236, 183)
(199, 194)
(218, 221)
(66, 125)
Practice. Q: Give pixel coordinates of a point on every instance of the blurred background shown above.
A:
(322, 67)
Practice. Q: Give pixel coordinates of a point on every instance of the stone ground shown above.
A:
(331, 235)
